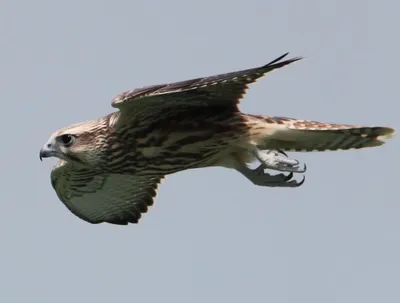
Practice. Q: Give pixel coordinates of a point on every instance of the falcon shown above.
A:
(109, 168)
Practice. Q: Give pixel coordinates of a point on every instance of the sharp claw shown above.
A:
(302, 181)
(302, 170)
(288, 177)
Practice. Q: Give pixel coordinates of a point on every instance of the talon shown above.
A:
(302, 170)
(302, 181)
(258, 177)
(288, 177)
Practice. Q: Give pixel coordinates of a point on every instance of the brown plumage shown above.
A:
(110, 168)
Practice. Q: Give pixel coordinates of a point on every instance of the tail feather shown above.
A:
(290, 134)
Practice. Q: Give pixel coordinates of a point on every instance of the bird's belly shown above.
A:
(192, 139)
(181, 151)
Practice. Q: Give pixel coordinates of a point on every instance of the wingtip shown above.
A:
(288, 61)
(277, 59)
(296, 58)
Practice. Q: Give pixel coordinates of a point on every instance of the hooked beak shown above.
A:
(46, 152)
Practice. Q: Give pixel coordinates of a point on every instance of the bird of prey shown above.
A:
(109, 168)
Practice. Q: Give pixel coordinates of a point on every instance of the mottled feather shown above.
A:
(222, 89)
(290, 134)
(103, 197)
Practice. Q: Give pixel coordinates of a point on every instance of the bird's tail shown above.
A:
(290, 134)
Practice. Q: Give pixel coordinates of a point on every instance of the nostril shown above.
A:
(49, 145)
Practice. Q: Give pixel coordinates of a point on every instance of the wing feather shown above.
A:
(97, 198)
(222, 89)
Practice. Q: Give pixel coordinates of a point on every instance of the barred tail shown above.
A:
(290, 134)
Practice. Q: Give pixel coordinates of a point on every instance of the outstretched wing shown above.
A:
(97, 198)
(223, 90)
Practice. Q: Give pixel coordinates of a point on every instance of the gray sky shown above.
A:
(212, 236)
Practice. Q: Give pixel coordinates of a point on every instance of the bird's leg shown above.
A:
(277, 160)
(261, 178)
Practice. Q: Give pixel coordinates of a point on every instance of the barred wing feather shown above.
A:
(96, 198)
(222, 89)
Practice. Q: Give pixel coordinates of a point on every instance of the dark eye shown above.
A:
(66, 139)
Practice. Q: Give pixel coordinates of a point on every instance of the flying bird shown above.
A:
(109, 168)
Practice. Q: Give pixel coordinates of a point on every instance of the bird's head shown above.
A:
(80, 143)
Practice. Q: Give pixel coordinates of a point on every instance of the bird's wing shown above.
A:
(111, 198)
(218, 90)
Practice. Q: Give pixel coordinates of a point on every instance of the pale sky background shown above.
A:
(212, 236)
